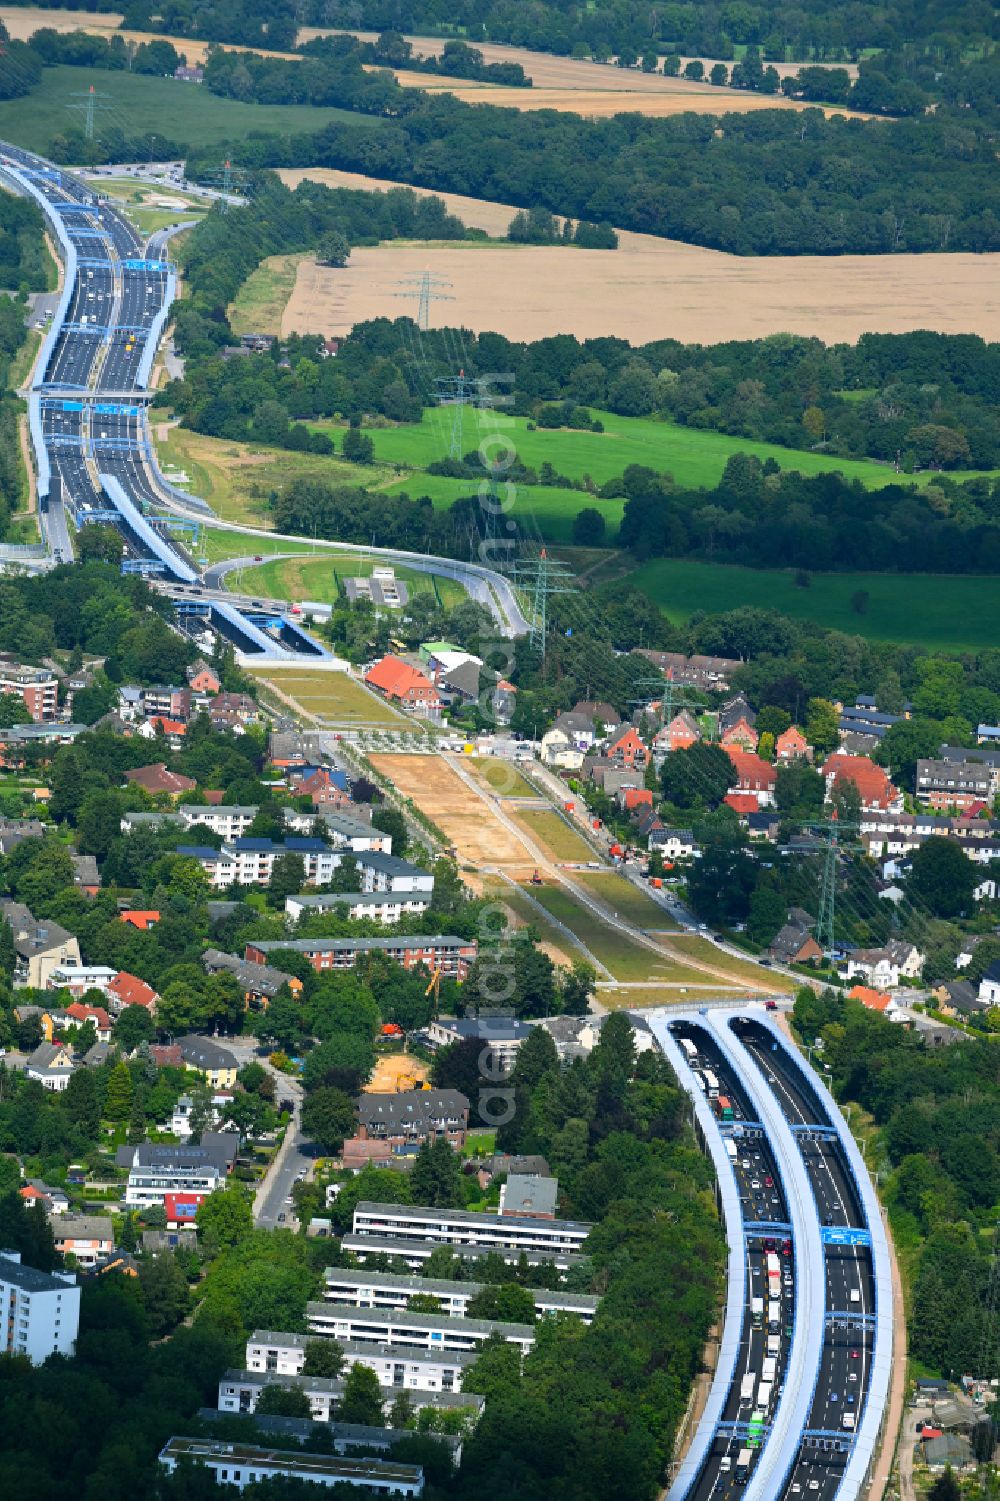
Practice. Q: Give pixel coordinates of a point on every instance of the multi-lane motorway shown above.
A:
(789, 1176)
(87, 409)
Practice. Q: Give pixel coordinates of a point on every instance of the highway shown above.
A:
(801, 1169)
(116, 297)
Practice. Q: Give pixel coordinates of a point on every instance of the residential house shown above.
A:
(158, 1168)
(959, 998)
(875, 967)
(907, 957)
(764, 824)
(79, 978)
(128, 990)
(412, 1116)
(405, 686)
(87, 1237)
(795, 944)
(627, 750)
(181, 1210)
(989, 985)
(143, 920)
(529, 1196)
(631, 798)
(250, 862)
(259, 983)
(577, 1036)
(86, 877)
(36, 687)
(53, 1200)
(679, 734)
(865, 721)
(952, 784)
(203, 679)
(792, 745)
(672, 844)
(874, 1000)
(567, 740)
(40, 946)
(737, 724)
(503, 701)
(216, 1066)
(52, 1066)
(233, 711)
(873, 786)
(157, 779)
(80, 1015)
(603, 716)
(501, 1037)
(753, 776)
(13, 831)
(708, 673)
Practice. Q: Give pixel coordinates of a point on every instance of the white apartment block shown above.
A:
(416, 1370)
(234, 865)
(416, 1252)
(39, 1311)
(380, 906)
(228, 820)
(239, 1392)
(461, 1227)
(395, 1327)
(361, 1288)
(390, 873)
(241, 1465)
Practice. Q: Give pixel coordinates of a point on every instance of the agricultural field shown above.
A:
(553, 836)
(625, 899)
(649, 288)
(952, 611)
(320, 577)
(175, 111)
(338, 700)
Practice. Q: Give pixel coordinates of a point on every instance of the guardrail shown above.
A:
(792, 1416)
(736, 1297)
(866, 1436)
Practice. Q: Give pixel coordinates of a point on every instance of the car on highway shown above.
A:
(834, 1396)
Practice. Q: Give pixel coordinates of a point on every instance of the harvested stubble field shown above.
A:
(333, 697)
(651, 288)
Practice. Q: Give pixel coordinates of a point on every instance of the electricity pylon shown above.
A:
(92, 102)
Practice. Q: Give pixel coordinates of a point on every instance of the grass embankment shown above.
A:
(501, 777)
(175, 111)
(261, 300)
(335, 698)
(555, 837)
(957, 611)
(685, 943)
(626, 900)
(319, 578)
(23, 362)
(625, 960)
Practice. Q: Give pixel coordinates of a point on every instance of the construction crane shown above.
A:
(435, 985)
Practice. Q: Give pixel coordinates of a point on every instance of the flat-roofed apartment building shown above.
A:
(243, 1464)
(452, 956)
(462, 1227)
(37, 687)
(239, 1391)
(416, 1370)
(363, 1288)
(416, 1252)
(413, 1331)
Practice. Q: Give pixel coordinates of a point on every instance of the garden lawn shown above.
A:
(556, 838)
(175, 111)
(956, 611)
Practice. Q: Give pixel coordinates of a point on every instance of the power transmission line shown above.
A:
(93, 100)
(428, 288)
